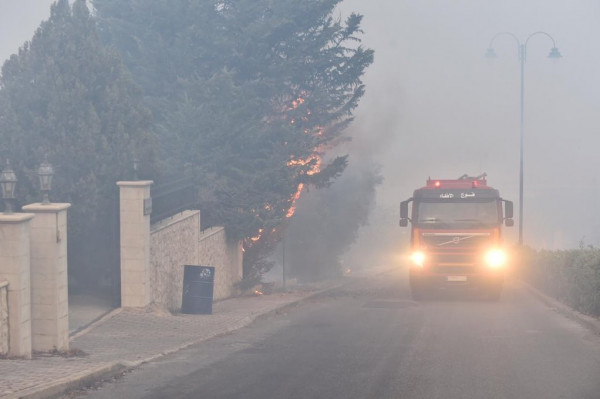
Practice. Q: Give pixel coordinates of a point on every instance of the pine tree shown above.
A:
(247, 94)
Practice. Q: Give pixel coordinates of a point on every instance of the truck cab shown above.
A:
(456, 236)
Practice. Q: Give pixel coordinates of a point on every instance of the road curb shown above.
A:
(587, 321)
(106, 372)
(71, 383)
(244, 322)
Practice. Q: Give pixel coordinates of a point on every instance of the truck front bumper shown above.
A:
(480, 278)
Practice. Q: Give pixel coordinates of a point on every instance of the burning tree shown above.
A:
(248, 95)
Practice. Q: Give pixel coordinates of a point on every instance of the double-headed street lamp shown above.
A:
(522, 52)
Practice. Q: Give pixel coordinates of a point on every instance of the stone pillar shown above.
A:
(135, 208)
(3, 317)
(49, 279)
(15, 268)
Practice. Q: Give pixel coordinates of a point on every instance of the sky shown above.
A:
(18, 21)
(435, 107)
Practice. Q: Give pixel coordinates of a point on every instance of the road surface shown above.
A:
(370, 340)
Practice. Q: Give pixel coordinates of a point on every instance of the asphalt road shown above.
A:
(369, 340)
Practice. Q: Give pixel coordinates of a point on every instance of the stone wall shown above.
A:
(214, 250)
(3, 317)
(178, 241)
(173, 244)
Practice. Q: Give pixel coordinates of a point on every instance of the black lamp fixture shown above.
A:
(490, 53)
(8, 182)
(554, 55)
(45, 173)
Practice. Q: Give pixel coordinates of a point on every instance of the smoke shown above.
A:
(435, 107)
(326, 223)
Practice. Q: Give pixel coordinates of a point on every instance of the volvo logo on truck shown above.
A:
(456, 238)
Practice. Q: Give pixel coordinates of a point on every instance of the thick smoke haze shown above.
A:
(435, 107)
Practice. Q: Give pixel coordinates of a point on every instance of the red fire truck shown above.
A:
(456, 239)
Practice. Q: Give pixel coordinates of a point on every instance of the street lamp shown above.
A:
(45, 173)
(8, 182)
(522, 52)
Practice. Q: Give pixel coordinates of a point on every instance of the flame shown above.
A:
(257, 237)
(292, 209)
(257, 292)
(298, 101)
(316, 167)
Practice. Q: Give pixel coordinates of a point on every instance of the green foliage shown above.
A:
(65, 97)
(571, 276)
(240, 89)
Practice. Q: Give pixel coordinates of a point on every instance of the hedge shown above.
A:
(570, 276)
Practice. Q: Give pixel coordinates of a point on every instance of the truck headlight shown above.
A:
(495, 258)
(418, 258)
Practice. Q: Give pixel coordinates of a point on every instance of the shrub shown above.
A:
(570, 276)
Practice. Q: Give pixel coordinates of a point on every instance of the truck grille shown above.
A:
(459, 270)
(455, 240)
(454, 259)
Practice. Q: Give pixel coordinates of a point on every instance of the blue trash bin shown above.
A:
(198, 287)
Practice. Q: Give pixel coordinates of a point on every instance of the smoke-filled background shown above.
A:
(435, 107)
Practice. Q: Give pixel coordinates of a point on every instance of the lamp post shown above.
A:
(8, 182)
(45, 173)
(522, 53)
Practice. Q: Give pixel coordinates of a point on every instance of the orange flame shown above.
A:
(298, 101)
(316, 167)
(256, 237)
(292, 209)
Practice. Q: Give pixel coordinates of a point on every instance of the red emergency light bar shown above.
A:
(463, 182)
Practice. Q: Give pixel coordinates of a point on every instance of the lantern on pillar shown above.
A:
(8, 182)
(45, 173)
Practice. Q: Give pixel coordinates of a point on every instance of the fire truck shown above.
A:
(456, 237)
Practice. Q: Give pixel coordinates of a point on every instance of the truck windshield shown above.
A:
(457, 214)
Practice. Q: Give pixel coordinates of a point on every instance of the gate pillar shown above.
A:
(135, 206)
(49, 280)
(15, 267)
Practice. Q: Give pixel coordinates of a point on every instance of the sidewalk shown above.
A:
(126, 338)
(84, 309)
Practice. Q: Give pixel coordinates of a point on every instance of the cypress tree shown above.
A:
(70, 100)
